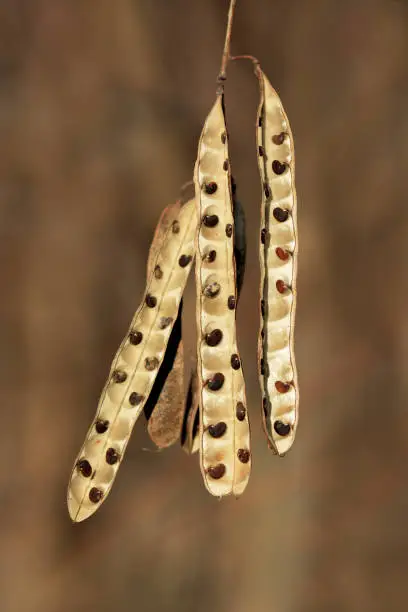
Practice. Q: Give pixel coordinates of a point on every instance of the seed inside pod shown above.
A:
(263, 235)
(151, 301)
(212, 289)
(210, 220)
(210, 256)
(262, 367)
(112, 456)
(84, 467)
(281, 286)
(228, 230)
(217, 430)
(151, 363)
(216, 471)
(118, 376)
(214, 337)
(135, 337)
(263, 307)
(243, 455)
(278, 139)
(280, 214)
(240, 411)
(261, 151)
(223, 137)
(135, 398)
(215, 382)
(282, 253)
(278, 167)
(282, 429)
(225, 165)
(267, 190)
(95, 495)
(265, 406)
(175, 227)
(184, 260)
(210, 188)
(101, 426)
(165, 322)
(231, 302)
(158, 272)
(282, 387)
(235, 362)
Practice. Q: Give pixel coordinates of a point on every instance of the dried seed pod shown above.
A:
(121, 403)
(278, 261)
(221, 387)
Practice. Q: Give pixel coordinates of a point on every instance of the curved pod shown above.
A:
(224, 438)
(134, 369)
(278, 263)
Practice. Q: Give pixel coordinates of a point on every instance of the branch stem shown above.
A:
(226, 53)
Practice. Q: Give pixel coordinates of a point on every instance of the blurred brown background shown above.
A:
(101, 106)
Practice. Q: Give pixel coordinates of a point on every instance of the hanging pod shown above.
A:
(278, 263)
(225, 457)
(134, 368)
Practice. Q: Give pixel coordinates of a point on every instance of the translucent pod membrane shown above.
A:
(135, 366)
(225, 456)
(278, 263)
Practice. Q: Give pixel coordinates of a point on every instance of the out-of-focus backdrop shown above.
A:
(101, 107)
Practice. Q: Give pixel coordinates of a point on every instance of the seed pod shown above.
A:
(121, 403)
(278, 262)
(220, 386)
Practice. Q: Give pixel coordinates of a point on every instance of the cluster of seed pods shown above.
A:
(147, 373)
(278, 263)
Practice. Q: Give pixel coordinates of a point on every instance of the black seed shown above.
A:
(278, 139)
(165, 322)
(261, 151)
(135, 398)
(265, 406)
(158, 272)
(228, 230)
(214, 337)
(101, 426)
(151, 301)
(282, 429)
(135, 337)
(84, 467)
(240, 411)
(260, 118)
(263, 307)
(175, 227)
(223, 137)
(263, 235)
(243, 455)
(217, 430)
(225, 165)
(231, 302)
(184, 260)
(262, 333)
(118, 376)
(262, 367)
(210, 220)
(235, 362)
(151, 363)
(112, 456)
(216, 471)
(210, 188)
(267, 191)
(210, 256)
(95, 495)
(280, 214)
(212, 290)
(277, 167)
(216, 382)
(233, 185)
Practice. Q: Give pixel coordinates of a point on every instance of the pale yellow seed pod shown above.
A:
(224, 429)
(134, 369)
(278, 263)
